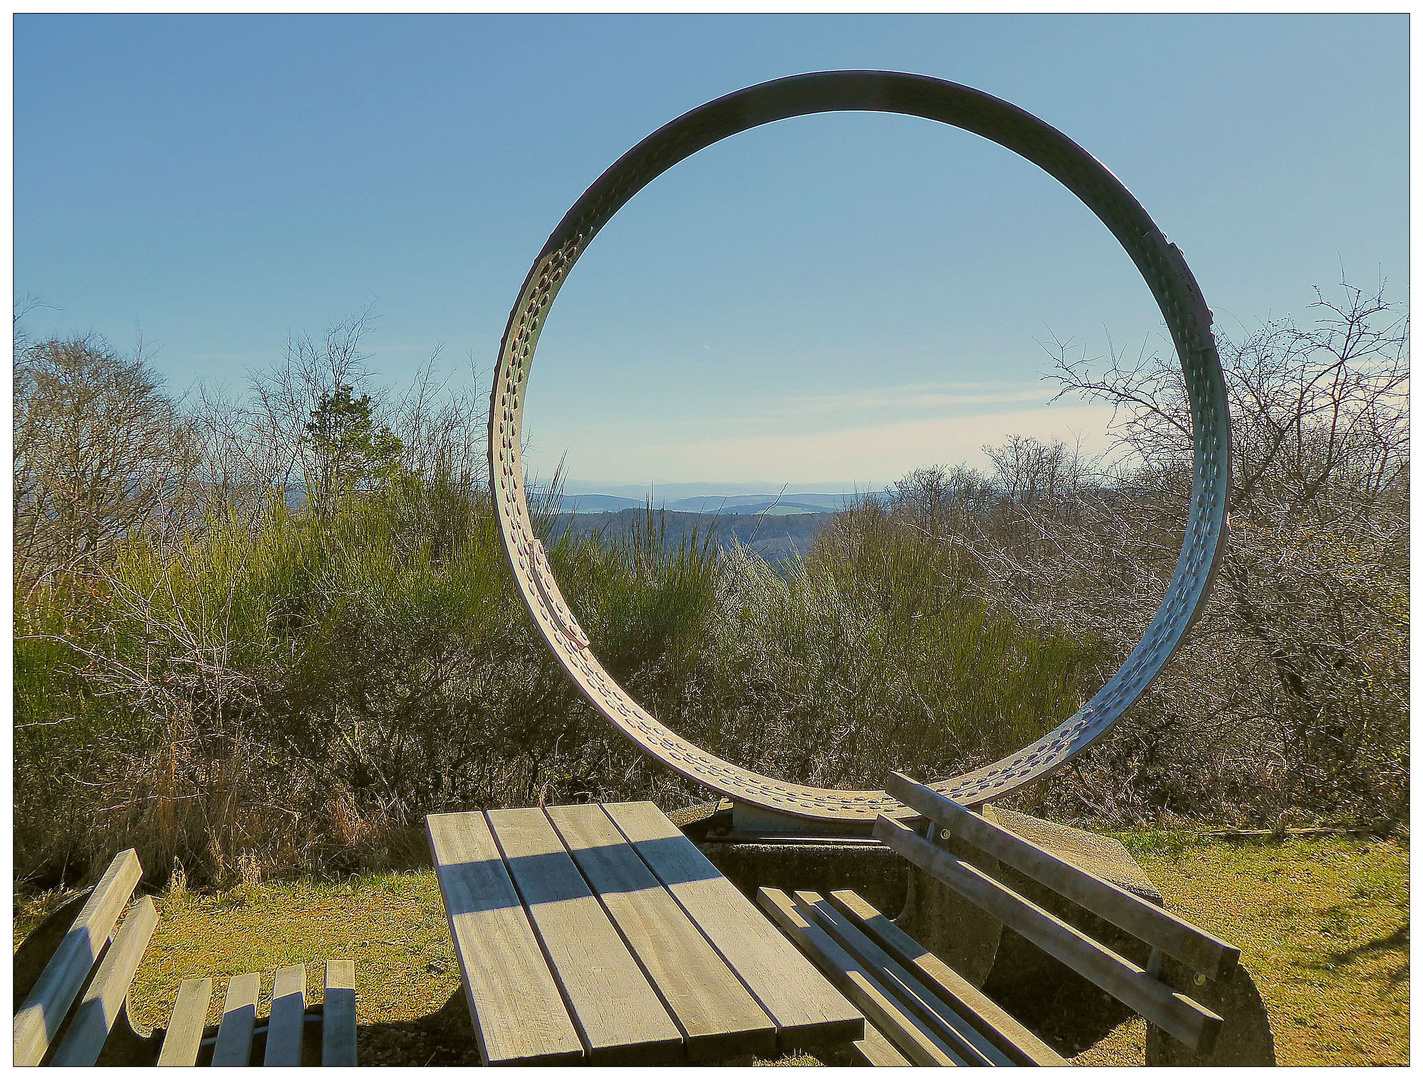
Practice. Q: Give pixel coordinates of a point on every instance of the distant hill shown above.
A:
(775, 536)
(734, 505)
(596, 504)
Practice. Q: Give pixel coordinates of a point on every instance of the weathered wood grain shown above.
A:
(39, 1018)
(96, 1012)
(807, 1010)
(513, 998)
(239, 1017)
(716, 1013)
(1199, 949)
(1187, 1020)
(991, 1020)
(910, 1034)
(621, 1018)
(184, 1037)
(875, 1049)
(957, 1032)
(287, 1018)
(338, 1014)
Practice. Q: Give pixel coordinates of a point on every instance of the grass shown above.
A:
(393, 924)
(1323, 926)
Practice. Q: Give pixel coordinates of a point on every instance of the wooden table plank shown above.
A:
(184, 1036)
(239, 1016)
(338, 1014)
(808, 1011)
(38, 1019)
(287, 1018)
(1199, 949)
(875, 1049)
(715, 1011)
(621, 1018)
(513, 999)
(1185, 1018)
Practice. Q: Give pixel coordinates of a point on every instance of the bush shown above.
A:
(244, 679)
(871, 656)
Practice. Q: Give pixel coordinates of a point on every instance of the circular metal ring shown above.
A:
(1160, 264)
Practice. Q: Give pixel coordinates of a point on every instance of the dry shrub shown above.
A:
(262, 688)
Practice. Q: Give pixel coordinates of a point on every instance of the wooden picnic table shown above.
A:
(599, 933)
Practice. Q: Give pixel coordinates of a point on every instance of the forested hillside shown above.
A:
(775, 538)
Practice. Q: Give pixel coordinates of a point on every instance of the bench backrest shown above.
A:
(1136, 987)
(94, 945)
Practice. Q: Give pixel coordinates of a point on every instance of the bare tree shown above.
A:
(1292, 693)
(317, 422)
(1298, 672)
(288, 396)
(442, 430)
(100, 453)
(1027, 470)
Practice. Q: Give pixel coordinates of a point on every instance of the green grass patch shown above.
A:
(1322, 925)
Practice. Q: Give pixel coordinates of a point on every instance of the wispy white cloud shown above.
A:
(868, 454)
(917, 397)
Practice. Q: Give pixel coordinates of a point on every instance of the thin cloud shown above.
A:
(917, 397)
(873, 454)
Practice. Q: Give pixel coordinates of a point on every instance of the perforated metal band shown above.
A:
(1160, 264)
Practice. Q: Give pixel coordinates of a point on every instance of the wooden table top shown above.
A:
(600, 933)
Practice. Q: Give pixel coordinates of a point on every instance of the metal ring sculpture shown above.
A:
(1159, 262)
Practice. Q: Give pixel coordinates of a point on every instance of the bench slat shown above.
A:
(1187, 1020)
(184, 1037)
(44, 1010)
(904, 1029)
(966, 1040)
(99, 1008)
(875, 1049)
(338, 1014)
(288, 1017)
(806, 1008)
(983, 1012)
(715, 1011)
(621, 1018)
(1199, 949)
(514, 1000)
(239, 1017)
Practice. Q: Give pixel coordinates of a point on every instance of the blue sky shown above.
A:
(826, 301)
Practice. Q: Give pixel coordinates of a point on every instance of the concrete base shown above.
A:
(1060, 1005)
(956, 931)
(871, 869)
(1245, 1039)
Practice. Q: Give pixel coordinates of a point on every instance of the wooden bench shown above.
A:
(1140, 988)
(75, 1012)
(920, 1011)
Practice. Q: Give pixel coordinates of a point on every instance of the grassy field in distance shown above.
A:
(1323, 926)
